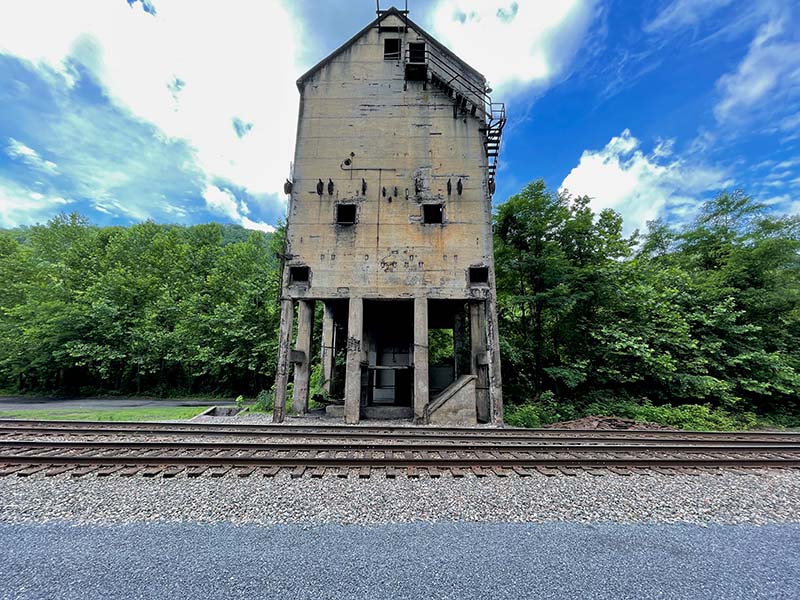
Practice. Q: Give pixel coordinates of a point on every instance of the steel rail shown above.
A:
(464, 439)
(667, 446)
(94, 427)
(402, 462)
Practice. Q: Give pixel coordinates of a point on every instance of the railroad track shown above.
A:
(158, 449)
(10, 427)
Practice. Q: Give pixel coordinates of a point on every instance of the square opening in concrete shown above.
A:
(391, 49)
(416, 52)
(432, 214)
(345, 214)
(479, 275)
(299, 274)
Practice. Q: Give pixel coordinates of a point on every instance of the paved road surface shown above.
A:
(27, 403)
(428, 561)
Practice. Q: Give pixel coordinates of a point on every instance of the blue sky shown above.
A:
(184, 111)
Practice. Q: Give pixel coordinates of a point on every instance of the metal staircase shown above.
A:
(468, 97)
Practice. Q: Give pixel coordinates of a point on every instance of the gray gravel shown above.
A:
(446, 560)
(768, 497)
(315, 418)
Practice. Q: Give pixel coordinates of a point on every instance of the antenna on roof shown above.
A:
(379, 12)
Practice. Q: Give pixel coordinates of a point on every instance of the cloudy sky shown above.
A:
(184, 111)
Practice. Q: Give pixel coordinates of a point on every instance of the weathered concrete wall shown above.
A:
(360, 103)
(368, 137)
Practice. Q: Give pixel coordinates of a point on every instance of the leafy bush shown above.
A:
(265, 401)
(547, 409)
(700, 417)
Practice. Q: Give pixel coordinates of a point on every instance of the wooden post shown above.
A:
(420, 358)
(302, 368)
(327, 346)
(355, 333)
(282, 372)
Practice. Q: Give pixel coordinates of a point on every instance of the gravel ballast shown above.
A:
(758, 498)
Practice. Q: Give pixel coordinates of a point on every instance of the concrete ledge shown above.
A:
(336, 411)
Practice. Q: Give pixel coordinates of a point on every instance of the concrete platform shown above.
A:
(336, 411)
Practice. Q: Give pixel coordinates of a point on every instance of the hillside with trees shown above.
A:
(694, 326)
(594, 322)
(147, 309)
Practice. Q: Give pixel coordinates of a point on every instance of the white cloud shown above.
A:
(193, 69)
(20, 206)
(26, 154)
(790, 123)
(767, 78)
(684, 13)
(514, 42)
(223, 202)
(640, 187)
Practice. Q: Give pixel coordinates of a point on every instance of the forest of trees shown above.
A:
(147, 309)
(702, 320)
(592, 321)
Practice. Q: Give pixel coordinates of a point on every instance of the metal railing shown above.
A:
(464, 92)
(450, 77)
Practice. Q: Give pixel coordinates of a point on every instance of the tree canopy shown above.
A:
(708, 313)
(149, 308)
(705, 313)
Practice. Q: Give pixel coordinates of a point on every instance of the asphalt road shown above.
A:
(30, 403)
(430, 561)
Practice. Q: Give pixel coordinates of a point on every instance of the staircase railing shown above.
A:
(468, 97)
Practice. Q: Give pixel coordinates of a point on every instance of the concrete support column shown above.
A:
(327, 346)
(479, 358)
(352, 388)
(459, 343)
(421, 396)
(302, 360)
(282, 372)
(495, 376)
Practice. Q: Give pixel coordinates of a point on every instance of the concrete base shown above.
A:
(455, 406)
(382, 413)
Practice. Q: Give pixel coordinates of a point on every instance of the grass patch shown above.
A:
(147, 413)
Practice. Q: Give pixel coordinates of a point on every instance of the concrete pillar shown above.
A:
(282, 372)
(327, 346)
(459, 343)
(420, 358)
(479, 358)
(495, 377)
(352, 387)
(302, 366)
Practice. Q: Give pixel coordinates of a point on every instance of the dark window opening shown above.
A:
(432, 214)
(479, 275)
(391, 49)
(346, 214)
(416, 52)
(299, 274)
